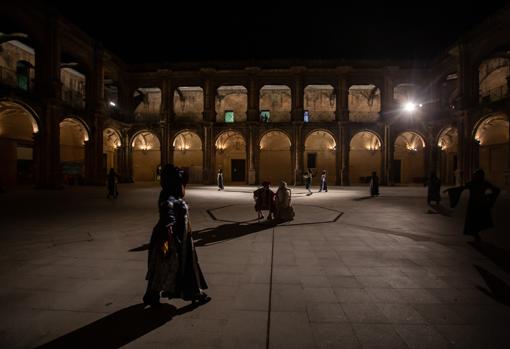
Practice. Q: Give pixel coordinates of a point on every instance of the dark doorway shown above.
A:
(311, 160)
(238, 170)
(397, 165)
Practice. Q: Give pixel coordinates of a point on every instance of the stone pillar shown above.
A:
(461, 150)
(387, 101)
(297, 99)
(388, 154)
(209, 114)
(382, 170)
(338, 151)
(166, 117)
(342, 94)
(345, 139)
(208, 155)
(125, 158)
(298, 151)
(251, 153)
(252, 113)
(468, 78)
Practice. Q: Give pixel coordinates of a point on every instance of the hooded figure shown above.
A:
(173, 267)
(264, 200)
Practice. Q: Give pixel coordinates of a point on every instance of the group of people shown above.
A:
(278, 204)
(323, 185)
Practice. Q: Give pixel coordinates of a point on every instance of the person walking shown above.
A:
(173, 269)
(112, 179)
(308, 181)
(324, 184)
(374, 184)
(220, 180)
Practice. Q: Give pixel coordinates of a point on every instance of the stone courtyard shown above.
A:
(349, 272)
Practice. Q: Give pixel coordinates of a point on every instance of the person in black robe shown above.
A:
(433, 189)
(482, 196)
(112, 180)
(173, 269)
(374, 184)
(324, 184)
(264, 200)
(220, 179)
(308, 181)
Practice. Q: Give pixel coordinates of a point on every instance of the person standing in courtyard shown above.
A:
(220, 180)
(482, 196)
(374, 184)
(433, 189)
(112, 179)
(308, 181)
(173, 269)
(324, 184)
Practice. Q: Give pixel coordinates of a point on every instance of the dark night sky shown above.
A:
(145, 31)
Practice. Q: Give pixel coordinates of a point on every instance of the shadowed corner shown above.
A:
(498, 289)
(497, 255)
(119, 328)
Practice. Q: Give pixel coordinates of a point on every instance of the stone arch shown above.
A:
(409, 158)
(493, 75)
(111, 143)
(491, 135)
(188, 154)
(189, 103)
(364, 103)
(365, 155)
(146, 150)
(231, 103)
(277, 100)
(320, 103)
(230, 156)
(147, 104)
(275, 157)
(447, 143)
(320, 153)
(74, 134)
(18, 125)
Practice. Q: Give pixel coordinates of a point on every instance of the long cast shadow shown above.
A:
(498, 289)
(498, 255)
(119, 328)
(229, 231)
(363, 198)
(441, 210)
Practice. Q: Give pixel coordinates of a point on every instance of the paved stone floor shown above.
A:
(348, 272)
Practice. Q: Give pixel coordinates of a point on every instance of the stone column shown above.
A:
(208, 155)
(251, 153)
(165, 119)
(342, 94)
(297, 99)
(338, 151)
(252, 113)
(345, 139)
(388, 154)
(298, 151)
(461, 150)
(209, 114)
(125, 159)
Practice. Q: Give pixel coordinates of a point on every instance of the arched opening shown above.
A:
(275, 103)
(147, 104)
(17, 61)
(73, 79)
(492, 137)
(319, 103)
(447, 157)
(231, 104)
(493, 79)
(409, 159)
(111, 143)
(364, 156)
(17, 128)
(146, 156)
(275, 158)
(364, 103)
(231, 156)
(320, 154)
(188, 154)
(189, 103)
(73, 135)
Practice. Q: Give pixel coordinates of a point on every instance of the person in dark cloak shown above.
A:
(173, 268)
(433, 189)
(112, 179)
(264, 200)
(324, 184)
(308, 181)
(220, 180)
(374, 184)
(482, 196)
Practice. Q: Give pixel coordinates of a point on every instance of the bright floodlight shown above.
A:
(112, 104)
(409, 107)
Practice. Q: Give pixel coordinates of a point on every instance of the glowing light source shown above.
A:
(409, 107)
(113, 104)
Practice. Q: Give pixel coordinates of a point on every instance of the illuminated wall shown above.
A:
(188, 154)
(323, 145)
(276, 99)
(229, 145)
(146, 156)
(234, 98)
(320, 101)
(364, 103)
(409, 149)
(189, 103)
(275, 158)
(364, 157)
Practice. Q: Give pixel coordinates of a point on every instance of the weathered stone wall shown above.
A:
(149, 109)
(364, 103)
(493, 74)
(320, 101)
(276, 99)
(233, 98)
(189, 104)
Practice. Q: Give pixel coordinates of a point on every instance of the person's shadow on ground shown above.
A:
(439, 209)
(230, 231)
(497, 288)
(119, 328)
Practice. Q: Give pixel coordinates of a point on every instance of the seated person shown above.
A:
(284, 210)
(264, 200)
